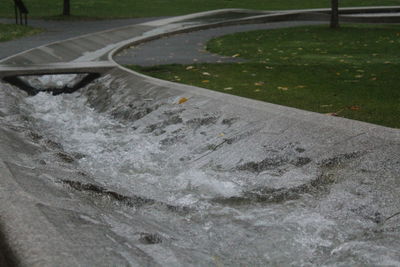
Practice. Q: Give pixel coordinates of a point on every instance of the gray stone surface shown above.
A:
(136, 171)
(189, 48)
(59, 30)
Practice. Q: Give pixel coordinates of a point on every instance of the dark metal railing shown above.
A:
(21, 12)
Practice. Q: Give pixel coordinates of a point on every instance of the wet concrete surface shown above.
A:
(135, 171)
(59, 30)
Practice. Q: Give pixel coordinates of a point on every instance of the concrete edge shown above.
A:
(303, 115)
(26, 220)
(372, 129)
(314, 10)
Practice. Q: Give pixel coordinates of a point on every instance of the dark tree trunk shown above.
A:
(66, 9)
(334, 13)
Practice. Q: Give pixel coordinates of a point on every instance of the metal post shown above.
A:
(334, 14)
(21, 12)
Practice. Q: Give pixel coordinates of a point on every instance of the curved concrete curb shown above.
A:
(34, 211)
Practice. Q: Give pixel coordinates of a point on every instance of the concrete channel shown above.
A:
(135, 171)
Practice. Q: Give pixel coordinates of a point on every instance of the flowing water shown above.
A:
(178, 181)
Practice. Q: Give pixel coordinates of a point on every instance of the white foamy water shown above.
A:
(334, 227)
(51, 81)
(117, 154)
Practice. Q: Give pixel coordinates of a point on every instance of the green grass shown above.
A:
(145, 8)
(10, 31)
(353, 72)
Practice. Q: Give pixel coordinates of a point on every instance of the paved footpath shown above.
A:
(60, 30)
(184, 48)
(189, 48)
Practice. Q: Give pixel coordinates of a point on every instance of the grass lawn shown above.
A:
(145, 8)
(352, 72)
(10, 31)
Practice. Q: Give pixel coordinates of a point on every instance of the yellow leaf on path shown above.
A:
(355, 107)
(283, 88)
(182, 100)
(205, 81)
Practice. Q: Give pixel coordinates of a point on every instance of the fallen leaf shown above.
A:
(205, 81)
(283, 88)
(332, 114)
(206, 73)
(235, 55)
(355, 107)
(259, 83)
(257, 90)
(182, 100)
(228, 88)
(189, 67)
